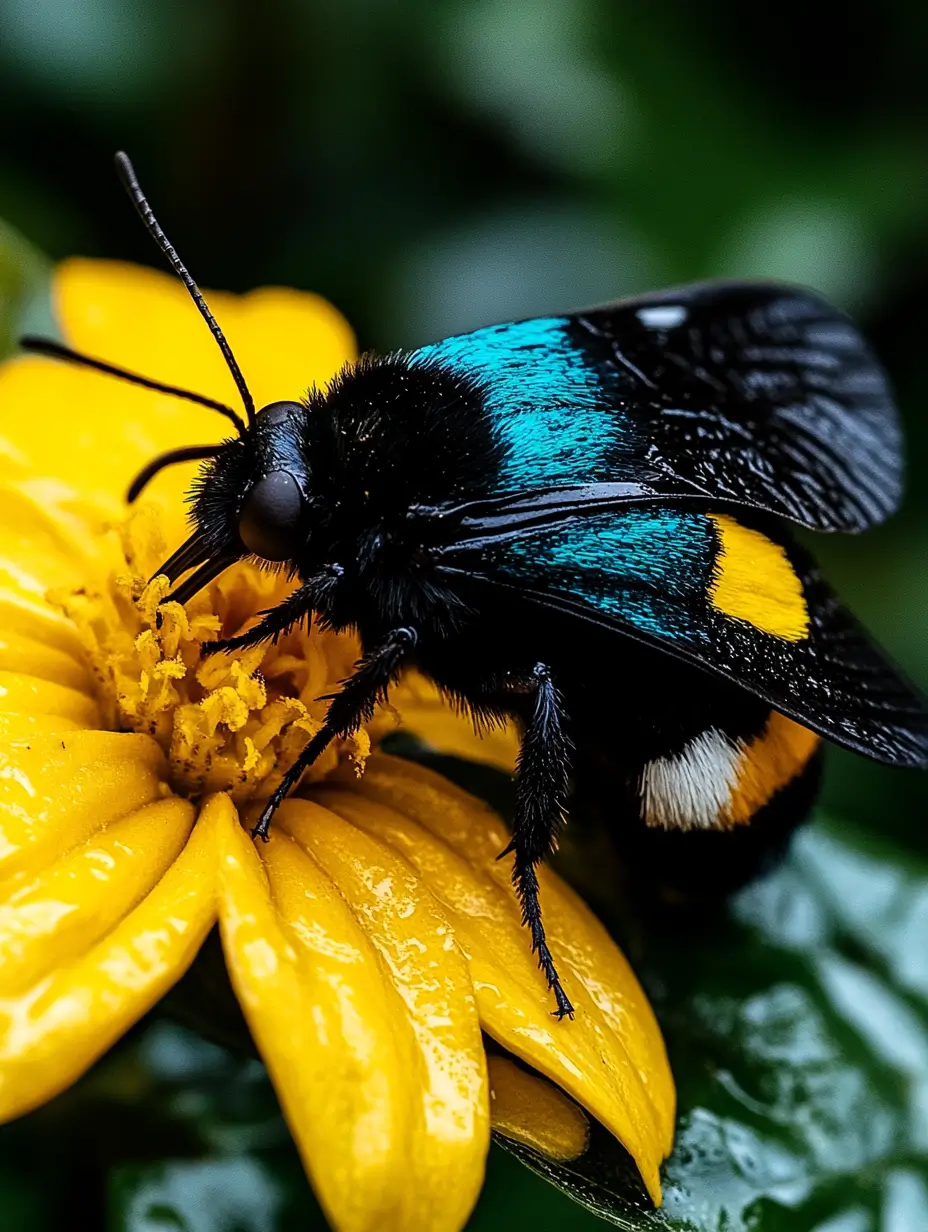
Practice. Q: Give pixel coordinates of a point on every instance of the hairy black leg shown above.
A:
(541, 787)
(348, 709)
(278, 620)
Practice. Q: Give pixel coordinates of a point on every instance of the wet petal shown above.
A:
(533, 1111)
(425, 713)
(337, 1035)
(54, 915)
(54, 1028)
(56, 789)
(611, 1059)
(450, 1124)
(310, 986)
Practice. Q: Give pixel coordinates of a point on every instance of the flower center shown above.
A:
(226, 722)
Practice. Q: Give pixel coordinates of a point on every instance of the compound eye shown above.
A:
(270, 523)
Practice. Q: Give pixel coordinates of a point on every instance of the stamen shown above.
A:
(232, 722)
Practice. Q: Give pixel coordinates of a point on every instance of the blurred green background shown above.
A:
(439, 164)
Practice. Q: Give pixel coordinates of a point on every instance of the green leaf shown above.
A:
(797, 1026)
(24, 290)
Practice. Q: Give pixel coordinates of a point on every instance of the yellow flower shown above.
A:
(375, 938)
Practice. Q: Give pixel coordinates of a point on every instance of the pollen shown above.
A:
(225, 722)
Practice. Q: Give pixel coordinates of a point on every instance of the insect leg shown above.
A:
(541, 786)
(348, 709)
(278, 620)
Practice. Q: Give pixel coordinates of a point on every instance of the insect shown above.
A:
(582, 522)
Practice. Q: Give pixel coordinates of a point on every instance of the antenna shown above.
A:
(186, 453)
(126, 173)
(46, 346)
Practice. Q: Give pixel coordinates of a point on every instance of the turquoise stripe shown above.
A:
(546, 402)
(648, 567)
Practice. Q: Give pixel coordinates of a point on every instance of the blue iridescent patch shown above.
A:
(548, 404)
(645, 566)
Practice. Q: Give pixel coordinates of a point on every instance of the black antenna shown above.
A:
(186, 453)
(126, 173)
(45, 346)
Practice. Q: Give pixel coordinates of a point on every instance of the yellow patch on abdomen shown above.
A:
(767, 764)
(754, 581)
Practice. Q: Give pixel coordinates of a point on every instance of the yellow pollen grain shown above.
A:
(754, 581)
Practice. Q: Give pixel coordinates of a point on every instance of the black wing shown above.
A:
(760, 394)
(745, 604)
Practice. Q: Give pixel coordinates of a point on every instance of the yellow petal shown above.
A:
(42, 543)
(35, 619)
(20, 726)
(58, 789)
(428, 715)
(51, 1033)
(25, 654)
(287, 341)
(53, 916)
(611, 1059)
(284, 340)
(313, 991)
(25, 695)
(96, 432)
(527, 1109)
(449, 1131)
(44, 681)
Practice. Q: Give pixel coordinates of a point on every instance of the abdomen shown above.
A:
(698, 783)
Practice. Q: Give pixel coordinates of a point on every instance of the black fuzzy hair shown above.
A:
(405, 423)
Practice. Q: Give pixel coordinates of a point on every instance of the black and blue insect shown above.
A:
(582, 522)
